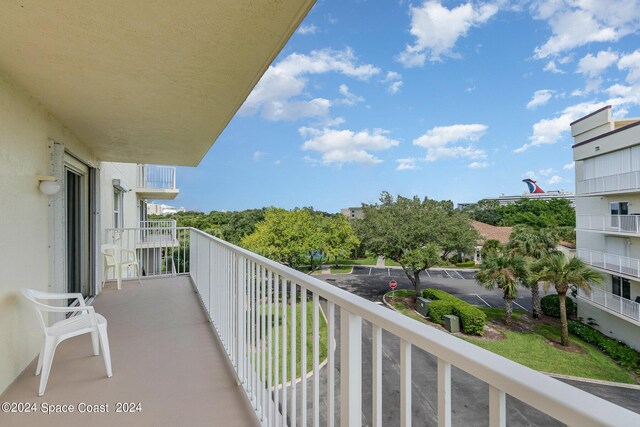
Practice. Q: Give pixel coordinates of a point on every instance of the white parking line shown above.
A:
(370, 270)
(514, 301)
(488, 305)
(456, 271)
(427, 271)
(447, 273)
(388, 272)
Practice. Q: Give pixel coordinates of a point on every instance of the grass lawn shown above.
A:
(359, 261)
(341, 270)
(532, 347)
(390, 263)
(322, 333)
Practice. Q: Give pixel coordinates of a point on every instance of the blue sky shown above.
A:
(449, 100)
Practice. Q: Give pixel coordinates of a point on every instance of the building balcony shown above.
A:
(619, 183)
(624, 308)
(627, 225)
(217, 356)
(156, 182)
(611, 263)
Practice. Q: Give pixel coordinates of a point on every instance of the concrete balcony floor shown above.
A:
(164, 354)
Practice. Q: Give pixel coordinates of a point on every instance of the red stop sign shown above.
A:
(393, 284)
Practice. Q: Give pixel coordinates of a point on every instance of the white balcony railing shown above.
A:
(161, 247)
(613, 302)
(611, 183)
(612, 223)
(156, 177)
(611, 262)
(250, 302)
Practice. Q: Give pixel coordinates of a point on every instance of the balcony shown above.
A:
(156, 182)
(611, 263)
(611, 224)
(620, 183)
(625, 308)
(184, 370)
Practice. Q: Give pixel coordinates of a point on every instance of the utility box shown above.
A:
(422, 306)
(452, 323)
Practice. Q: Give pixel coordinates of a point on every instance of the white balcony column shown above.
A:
(350, 369)
(444, 393)
(497, 408)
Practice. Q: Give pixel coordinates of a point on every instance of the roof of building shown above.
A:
(488, 231)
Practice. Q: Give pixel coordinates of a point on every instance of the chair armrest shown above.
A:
(130, 255)
(53, 309)
(57, 296)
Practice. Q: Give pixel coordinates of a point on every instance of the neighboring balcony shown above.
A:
(156, 182)
(619, 183)
(610, 224)
(625, 308)
(611, 263)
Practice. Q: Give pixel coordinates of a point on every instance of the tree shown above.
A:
(491, 246)
(557, 270)
(285, 236)
(339, 238)
(487, 211)
(503, 271)
(404, 230)
(457, 234)
(533, 245)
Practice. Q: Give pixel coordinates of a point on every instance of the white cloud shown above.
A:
(478, 165)
(407, 164)
(555, 179)
(394, 80)
(348, 97)
(346, 146)
(569, 166)
(444, 141)
(258, 155)
(280, 94)
(530, 175)
(631, 62)
(546, 172)
(540, 97)
(552, 67)
(576, 23)
(593, 66)
(307, 29)
(549, 131)
(329, 122)
(437, 29)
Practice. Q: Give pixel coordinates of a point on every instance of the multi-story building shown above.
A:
(353, 213)
(607, 168)
(85, 84)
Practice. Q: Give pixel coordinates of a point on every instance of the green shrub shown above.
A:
(472, 319)
(551, 305)
(466, 264)
(618, 351)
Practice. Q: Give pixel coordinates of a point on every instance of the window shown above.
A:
(621, 287)
(118, 220)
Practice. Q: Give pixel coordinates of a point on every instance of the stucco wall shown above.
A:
(611, 325)
(25, 133)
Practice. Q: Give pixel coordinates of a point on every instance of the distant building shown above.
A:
(156, 209)
(489, 232)
(353, 213)
(535, 193)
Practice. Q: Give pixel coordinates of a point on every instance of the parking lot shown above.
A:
(373, 282)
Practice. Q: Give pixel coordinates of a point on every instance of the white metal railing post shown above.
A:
(377, 376)
(350, 369)
(444, 393)
(405, 383)
(497, 408)
(331, 363)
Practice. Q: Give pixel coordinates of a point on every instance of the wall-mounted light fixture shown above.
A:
(48, 184)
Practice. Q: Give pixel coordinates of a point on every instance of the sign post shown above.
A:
(393, 285)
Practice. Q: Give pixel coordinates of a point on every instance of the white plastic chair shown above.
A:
(85, 321)
(119, 259)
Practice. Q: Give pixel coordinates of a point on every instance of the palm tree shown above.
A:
(503, 271)
(557, 270)
(534, 245)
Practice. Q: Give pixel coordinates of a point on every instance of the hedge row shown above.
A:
(472, 318)
(551, 305)
(618, 351)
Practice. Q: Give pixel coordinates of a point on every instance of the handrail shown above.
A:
(611, 262)
(156, 177)
(609, 183)
(613, 302)
(611, 223)
(559, 400)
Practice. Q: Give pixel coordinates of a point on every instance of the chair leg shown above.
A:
(39, 367)
(47, 361)
(138, 271)
(119, 275)
(95, 343)
(106, 352)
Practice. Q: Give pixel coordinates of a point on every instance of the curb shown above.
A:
(592, 381)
